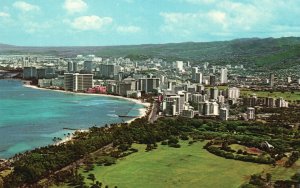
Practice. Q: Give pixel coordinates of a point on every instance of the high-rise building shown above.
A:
(196, 98)
(198, 78)
(148, 84)
(233, 93)
(250, 113)
(194, 72)
(270, 102)
(251, 101)
(123, 87)
(214, 109)
(212, 80)
(179, 65)
(224, 113)
(77, 82)
(25, 62)
(272, 79)
(41, 73)
(223, 78)
(204, 108)
(188, 64)
(214, 93)
(75, 67)
(50, 72)
(109, 70)
(208, 108)
(171, 105)
(200, 88)
(70, 66)
(182, 100)
(213, 69)
(221, 99)
(205, 65)
(88, 66)
(281, 103)
(29, 73)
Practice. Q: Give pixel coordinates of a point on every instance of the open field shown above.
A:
(188, 166)
(286, 95)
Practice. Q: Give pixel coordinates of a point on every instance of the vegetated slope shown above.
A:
(264, 53)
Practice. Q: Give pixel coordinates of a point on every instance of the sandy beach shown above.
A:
(142, 111)
(69, 137)
(92, 94)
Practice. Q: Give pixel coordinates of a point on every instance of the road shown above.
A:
(153, 114)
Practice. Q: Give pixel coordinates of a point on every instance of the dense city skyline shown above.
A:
(122, 22)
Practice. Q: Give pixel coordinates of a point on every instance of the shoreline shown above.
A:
(142, 111)
(137, 101)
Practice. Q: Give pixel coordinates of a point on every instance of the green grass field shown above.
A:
(188, 166)
(286, 95)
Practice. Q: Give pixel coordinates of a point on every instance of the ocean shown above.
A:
(31, 118)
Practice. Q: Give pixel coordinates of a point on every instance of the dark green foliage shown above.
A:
(105, 160)
(292, 159)
(40, 163)
(229, 155)
(296, 177)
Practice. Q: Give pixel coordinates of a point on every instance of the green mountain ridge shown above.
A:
(267, 52)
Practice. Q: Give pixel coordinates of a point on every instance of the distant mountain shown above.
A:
(264, 53)
(2, 46)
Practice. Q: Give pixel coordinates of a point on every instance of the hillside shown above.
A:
(268, 52)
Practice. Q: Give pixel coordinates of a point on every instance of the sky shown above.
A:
(125, 22)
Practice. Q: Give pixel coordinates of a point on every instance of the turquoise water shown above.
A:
(31, 118)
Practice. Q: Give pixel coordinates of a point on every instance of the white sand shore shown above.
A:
(92, 94)
(142, 111)
(69, 137)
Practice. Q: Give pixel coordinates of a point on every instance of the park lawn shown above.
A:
(282, 173)
(286, 95)
(188, 166)
(219, 87)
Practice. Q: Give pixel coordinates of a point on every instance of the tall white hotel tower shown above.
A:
(224, 79)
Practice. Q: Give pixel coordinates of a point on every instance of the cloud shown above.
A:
(85, 23)
(184, 24)
(25, 7)
(34, 27)
(224, 18)
(75, 6)
(4, 15)
(128, 29)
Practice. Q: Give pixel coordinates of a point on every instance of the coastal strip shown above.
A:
(142, 111)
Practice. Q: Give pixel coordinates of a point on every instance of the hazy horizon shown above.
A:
(133, 22)
(145, 43)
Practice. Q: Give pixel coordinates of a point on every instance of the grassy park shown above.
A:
(286, 95)
(188, 166)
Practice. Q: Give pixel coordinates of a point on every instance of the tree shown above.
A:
(91, 177)
(268, 177)
(296, 177)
